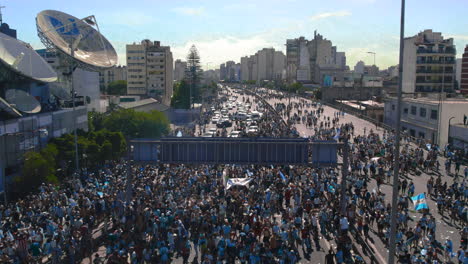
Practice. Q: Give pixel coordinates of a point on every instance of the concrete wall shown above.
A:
(18, 136)
(350, 93)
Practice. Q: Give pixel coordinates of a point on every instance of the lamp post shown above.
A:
(448, 136)
(396, 155)
(373, 53)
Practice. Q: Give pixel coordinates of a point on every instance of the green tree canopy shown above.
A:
(135, 124)
(117, 88)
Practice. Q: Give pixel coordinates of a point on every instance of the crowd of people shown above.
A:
(160, 213)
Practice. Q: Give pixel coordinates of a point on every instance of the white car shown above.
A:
(252, 129)
(215, 120)
(213, 130)
(235, 134)
(208, 135)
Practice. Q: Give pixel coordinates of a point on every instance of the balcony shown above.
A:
(435, 62)
(428, 51)
(434, 71)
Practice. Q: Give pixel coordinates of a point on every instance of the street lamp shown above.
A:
(371, 52)
(448, 136)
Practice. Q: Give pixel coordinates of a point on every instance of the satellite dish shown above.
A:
(65, 32)
(24, 60)
(5, 106)
(59, 92)
(23, 101)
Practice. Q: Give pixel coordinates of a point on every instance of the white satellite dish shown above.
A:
(5, 106)
(22, 101)
(59, 92)
(21, 58)
(76, 38)
(81, 43)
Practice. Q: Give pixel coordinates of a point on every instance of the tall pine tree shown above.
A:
(194, 75)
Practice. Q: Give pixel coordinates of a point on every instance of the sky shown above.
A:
(227, 30)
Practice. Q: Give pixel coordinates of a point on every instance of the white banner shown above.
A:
(237, 182)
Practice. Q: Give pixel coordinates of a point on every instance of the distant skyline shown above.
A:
(227, 31)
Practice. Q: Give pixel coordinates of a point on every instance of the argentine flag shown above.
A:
(282, 176)
(419, 202)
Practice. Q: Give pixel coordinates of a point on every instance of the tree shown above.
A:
(180, 98)
(117, 88)
(296, 88)
(137, 124)
(194, 74)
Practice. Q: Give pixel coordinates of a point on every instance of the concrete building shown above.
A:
(150, 70)
(222, 72)
(314, 60)
(5, 29)
(179, 70)
(210, 76)
(427, 117)
(118, 73)
(458, 136)
(230, 71)
(359, 67)
(464, 72)
(86, 83)
(428, 63)
(266, 64)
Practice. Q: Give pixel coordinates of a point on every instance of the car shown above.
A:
(252, 129)
(256, 115)
(235, 134)
(213, 129)
(224, 123)
(215, 120)
(208, 135)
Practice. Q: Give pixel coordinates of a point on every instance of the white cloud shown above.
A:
(457, 37)
(331, 14)
(216, 51)
(190, 11)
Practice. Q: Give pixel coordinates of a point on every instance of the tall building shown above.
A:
(222, 72)
(179, 70)
(314, 60)
(428, 63)
(464, 72)
(118, 73)
(230, 70)
(359, 67)
(150, 70)
(266, 64)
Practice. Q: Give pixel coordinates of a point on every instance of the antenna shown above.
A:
(1, 17)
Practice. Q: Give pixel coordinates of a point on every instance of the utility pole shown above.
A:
(1, 16)
(396, 155)
(344, 175)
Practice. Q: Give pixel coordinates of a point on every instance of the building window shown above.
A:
(422, 135)
(422, 112)
(434, 114)
(393, 107)
(413, 110)
(412, 132)
(405, 110)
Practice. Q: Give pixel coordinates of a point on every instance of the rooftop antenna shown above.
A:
(1, 17)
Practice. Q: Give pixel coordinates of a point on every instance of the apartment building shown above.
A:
(150, 70)
(118, 73)
(179, 70)
(429, 63)
(464, 72)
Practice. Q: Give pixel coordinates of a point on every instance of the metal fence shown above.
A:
(235, 151)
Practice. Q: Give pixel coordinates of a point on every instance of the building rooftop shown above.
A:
(156, 105)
